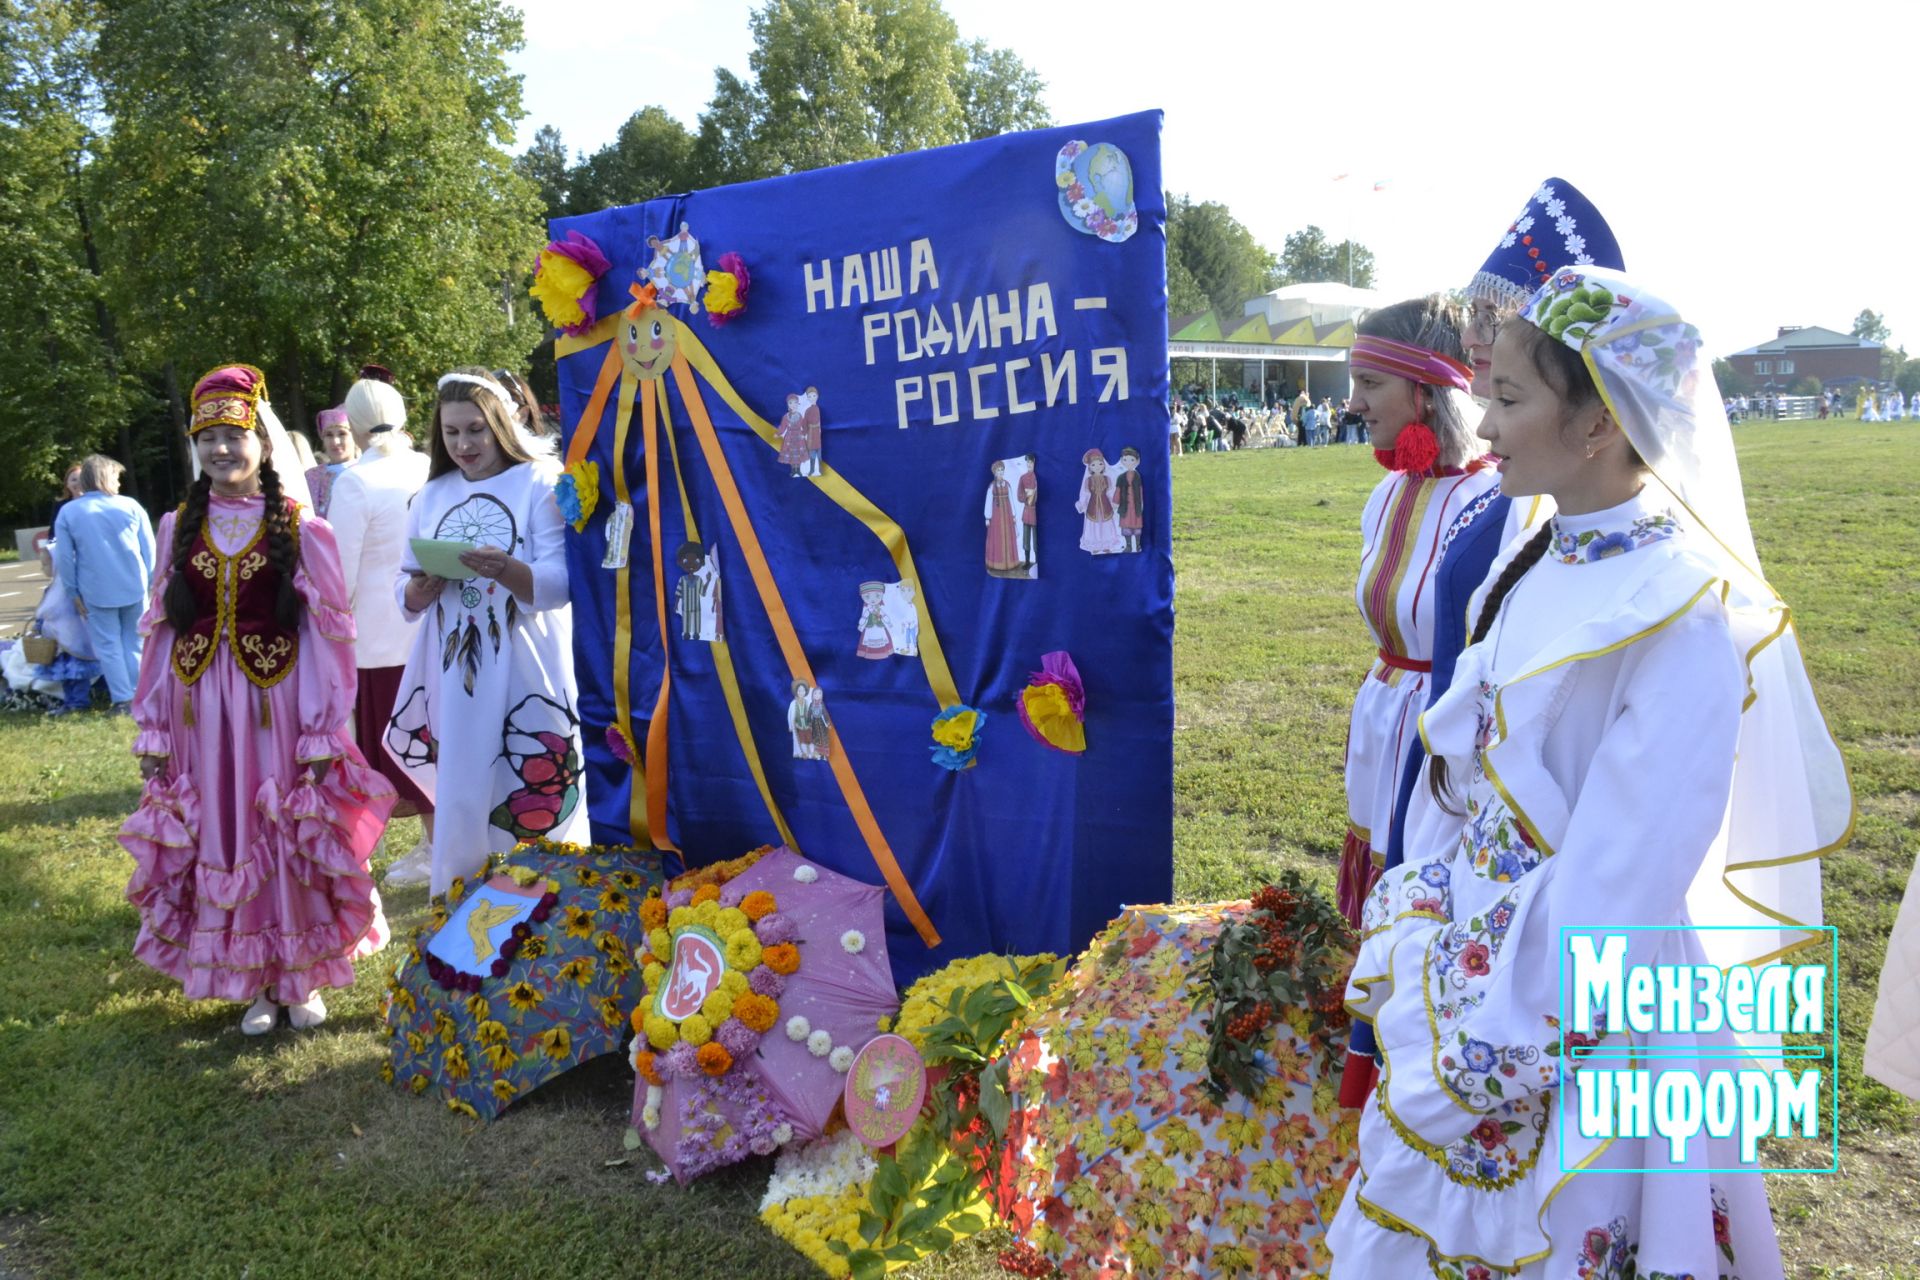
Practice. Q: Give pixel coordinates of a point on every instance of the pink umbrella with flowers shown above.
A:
(760, 986)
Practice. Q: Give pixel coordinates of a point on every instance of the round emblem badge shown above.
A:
(885, 1086)
(698, 965)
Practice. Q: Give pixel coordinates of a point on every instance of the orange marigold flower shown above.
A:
(643, 1063)
(757, 904)
(639, 1021)
(757, 1011)
(706, 893)
(653, 913)
(781, 957)
(714, 1058)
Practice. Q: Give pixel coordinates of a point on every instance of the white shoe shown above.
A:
(412, 868)
(260, 1016)
(308, 1014)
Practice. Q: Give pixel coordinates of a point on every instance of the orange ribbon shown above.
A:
(796, 657)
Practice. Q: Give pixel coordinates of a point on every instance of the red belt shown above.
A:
(1399, 663)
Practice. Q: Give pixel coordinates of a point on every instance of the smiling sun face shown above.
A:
(646, 343)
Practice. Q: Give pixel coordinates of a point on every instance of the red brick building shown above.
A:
(1837, 359)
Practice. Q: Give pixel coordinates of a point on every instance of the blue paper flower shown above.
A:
(956, 736)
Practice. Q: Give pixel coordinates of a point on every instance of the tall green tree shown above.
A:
(1872, 326)
(307, 185)
(545, 165)
(1308, 256)
(652, 155)
(63, 391)
(840, 80)
(1218, 255)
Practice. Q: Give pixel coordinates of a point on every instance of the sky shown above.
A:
(1750, 159)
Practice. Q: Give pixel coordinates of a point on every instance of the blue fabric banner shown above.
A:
(931, 448)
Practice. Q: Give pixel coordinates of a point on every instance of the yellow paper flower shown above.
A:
(661, 1033)
(503, 1091)
(556, 1043)
(500, 1057)
(723, 293)
(735, 983)
(718, 1007)
(478, 1007)
(729, 920)
(695, 1030)
(490, 1032)
(559, 286)
(956, 731)
(1051, 713)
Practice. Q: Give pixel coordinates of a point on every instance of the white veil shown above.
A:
(1792, 801)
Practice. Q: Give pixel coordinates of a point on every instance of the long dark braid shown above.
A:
(1509, 578)
(283, 552)
(183, 609)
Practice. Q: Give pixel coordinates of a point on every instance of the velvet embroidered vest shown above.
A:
(235, 599)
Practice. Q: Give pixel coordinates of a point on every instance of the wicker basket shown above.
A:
(39, 649)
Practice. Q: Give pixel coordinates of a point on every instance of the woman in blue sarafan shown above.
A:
(1558, 226)
(1630, 747)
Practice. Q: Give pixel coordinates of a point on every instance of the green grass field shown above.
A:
(141, 1135)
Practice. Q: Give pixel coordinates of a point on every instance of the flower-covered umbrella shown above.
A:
(760, 987)
(525, 970)
(1126, 1158)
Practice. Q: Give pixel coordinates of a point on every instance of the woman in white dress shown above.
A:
(1630, 740)
(487, 701)
(1410, 383)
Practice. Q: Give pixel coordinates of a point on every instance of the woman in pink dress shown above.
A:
(793, 436)
(251, 841)
(1003, 535)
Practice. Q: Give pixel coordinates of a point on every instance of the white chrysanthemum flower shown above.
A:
(1506, 241)
(820, 1044)
(1564, 225)
(783, 1133)
(798, 1028)
(1544, 194)
(1556, 207)
(853, 942)
(805, 874)
(1524, 225)
(1576, 245)
(1584, 260)
(841, 1059)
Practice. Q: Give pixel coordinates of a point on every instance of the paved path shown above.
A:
(20, 587)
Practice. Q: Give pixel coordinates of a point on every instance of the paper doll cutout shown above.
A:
(1099, 529)
(1129, 499)
(903, 619)
(800, 721)
(821, 728)
(876, 633)
(697, 595)
(800, 433)
(1011, 522)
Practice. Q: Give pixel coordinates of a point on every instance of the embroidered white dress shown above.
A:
(1401, 530)
(485, 720)
(1591, 741)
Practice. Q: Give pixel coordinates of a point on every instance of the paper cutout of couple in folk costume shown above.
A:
(807, 722)
(800, 433)
(1111, 507)
(889, 621)
(1012, 515)
(697, 595)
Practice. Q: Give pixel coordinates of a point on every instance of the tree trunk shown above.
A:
(177, 413)
(110, 339)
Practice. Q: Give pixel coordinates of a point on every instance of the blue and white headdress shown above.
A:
(1558, 228)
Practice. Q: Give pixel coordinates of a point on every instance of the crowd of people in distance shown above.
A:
(1205, 423)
